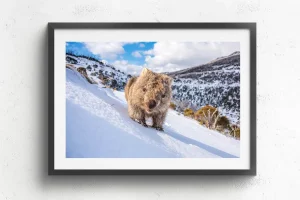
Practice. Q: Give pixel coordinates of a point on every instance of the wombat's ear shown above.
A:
(167, 80)
(145, 71)
(170, 80)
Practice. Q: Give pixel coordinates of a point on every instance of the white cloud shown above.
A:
(165, 56)
(124, 66)
(148, 52)
(106, 50)
(136, 54)
(142, 45)
(172, 56)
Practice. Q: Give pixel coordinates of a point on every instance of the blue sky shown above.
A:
(158, 56)
(81, 48)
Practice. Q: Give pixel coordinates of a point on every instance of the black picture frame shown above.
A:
(51, 38)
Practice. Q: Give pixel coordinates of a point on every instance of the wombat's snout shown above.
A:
(152, 104)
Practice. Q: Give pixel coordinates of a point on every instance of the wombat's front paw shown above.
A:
(144, 124)
(159, 128)
(140, 122)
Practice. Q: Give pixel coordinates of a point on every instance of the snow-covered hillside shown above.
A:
(100, 71)
(216, 83)
(98, 126)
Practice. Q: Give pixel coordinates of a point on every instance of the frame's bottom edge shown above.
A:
(251, 172)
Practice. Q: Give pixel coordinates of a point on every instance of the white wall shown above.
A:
(23, 100)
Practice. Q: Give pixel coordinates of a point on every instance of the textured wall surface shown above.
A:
(23, 100)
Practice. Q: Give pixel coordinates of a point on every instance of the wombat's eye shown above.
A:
(163, 96)
(144, 89)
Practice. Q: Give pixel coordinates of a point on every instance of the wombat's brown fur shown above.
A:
(149, 95)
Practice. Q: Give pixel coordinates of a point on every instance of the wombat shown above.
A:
(149, 96)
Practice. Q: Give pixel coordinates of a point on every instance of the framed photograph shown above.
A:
(152, 98)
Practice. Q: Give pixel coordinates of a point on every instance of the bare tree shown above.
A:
(211, 119)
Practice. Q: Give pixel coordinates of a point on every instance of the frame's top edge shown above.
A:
(152, 25)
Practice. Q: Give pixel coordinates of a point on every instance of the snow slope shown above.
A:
(98, 126)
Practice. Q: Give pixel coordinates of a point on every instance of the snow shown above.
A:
(93, 72)
(98, 126)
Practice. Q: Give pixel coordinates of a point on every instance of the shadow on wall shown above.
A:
(102, 183)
